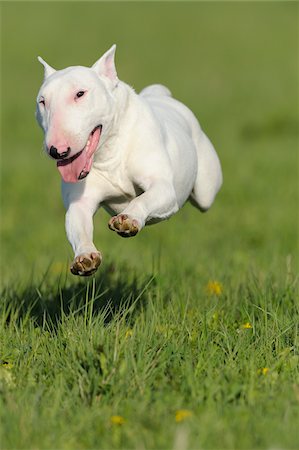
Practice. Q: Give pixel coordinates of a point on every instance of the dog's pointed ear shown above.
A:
(105, 65)
(48, 69)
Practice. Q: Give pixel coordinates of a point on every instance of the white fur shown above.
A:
(152, 155)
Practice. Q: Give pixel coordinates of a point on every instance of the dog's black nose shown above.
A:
(56, 155)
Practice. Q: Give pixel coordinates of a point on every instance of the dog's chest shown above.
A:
(120, 198)
(120, 190)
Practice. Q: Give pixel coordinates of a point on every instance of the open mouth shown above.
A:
(78, 166)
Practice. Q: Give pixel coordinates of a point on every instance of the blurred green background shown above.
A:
(234, 64)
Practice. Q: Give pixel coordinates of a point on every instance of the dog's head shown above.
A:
(75, 108)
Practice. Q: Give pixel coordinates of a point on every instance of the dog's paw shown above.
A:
(124, 225)
(86, 264)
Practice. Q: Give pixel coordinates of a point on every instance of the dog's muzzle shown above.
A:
(78, 166)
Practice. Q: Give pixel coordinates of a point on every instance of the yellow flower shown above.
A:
(182, 414)
(246, 326)
(263, 371)
(117, 420)
(214, 288)
(129, 333)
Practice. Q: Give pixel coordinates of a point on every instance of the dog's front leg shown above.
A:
(158, 202)
(79, 229)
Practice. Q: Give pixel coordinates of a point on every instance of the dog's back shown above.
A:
(155, 90)
(186, 142)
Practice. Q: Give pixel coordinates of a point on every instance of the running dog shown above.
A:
(141, 157)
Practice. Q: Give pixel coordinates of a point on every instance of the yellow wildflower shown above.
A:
(129, 333)
(263, 371)
(117, 420)
(182, 414)
(214, 288)
(246, 326)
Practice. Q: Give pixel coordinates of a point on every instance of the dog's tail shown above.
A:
(155, 90)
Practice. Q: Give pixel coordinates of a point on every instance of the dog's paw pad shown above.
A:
(86, 264)
(124, 225)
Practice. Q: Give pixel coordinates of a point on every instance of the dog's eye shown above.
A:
(80, 94)
(42, 101)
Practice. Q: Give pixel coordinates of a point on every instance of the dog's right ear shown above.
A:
(48, 69)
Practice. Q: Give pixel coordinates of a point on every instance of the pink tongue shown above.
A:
(72, 170)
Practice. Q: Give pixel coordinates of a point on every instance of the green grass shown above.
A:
(145, 338)
(144, 349)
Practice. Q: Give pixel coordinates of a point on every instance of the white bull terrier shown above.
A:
(141, 157)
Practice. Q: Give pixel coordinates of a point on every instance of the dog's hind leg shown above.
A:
(209, 174)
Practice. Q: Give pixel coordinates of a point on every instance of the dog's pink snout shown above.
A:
(53, 151)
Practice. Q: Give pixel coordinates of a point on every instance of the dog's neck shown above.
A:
(116, 137)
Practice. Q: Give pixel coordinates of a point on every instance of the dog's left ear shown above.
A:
(105, 66)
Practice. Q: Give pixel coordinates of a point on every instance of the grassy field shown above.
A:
(187, 338)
